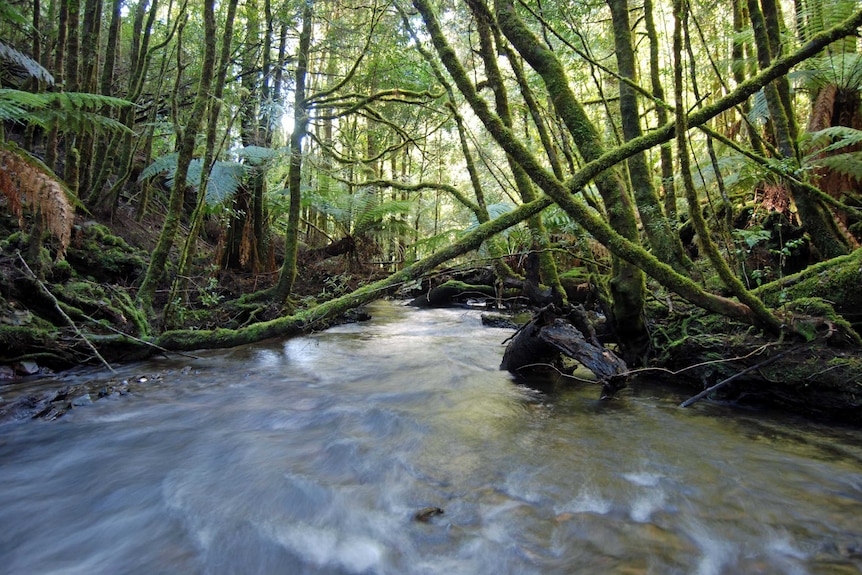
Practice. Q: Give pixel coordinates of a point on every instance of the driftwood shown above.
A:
(546, 337)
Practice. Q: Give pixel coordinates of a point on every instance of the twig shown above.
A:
(62, 313)
(724, 382)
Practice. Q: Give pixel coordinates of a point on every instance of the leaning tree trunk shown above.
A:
(156, 269)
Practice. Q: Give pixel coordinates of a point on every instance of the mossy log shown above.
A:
(838, 280)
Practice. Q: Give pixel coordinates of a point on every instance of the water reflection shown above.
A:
(311, 456)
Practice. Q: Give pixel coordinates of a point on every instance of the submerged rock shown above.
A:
(425, 514)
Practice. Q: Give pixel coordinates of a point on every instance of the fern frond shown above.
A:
(759, 112)
(69, 111)
(257, 155)
(10, 57)
(27, 182)
(379, 215)
(159, 166)
(9, 14)
(847, 164)
(225, 179)
(835, 138)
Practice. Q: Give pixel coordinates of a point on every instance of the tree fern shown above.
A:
(69, 111)
(28, 183)
(224, 178)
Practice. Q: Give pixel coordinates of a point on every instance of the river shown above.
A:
(312, 455)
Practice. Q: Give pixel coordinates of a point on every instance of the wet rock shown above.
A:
(27, 368)
(82, 400)
(498, 320)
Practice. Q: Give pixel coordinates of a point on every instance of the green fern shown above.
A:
(70, 111)
(847, 164)
(835, 138)
(160, 165)
(257, 155)
(224, 178)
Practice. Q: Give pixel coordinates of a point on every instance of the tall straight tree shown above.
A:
(661, 235)
(287, 274)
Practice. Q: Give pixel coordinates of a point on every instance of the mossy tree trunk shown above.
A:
(539, 236)
(180, 283)
(287, 275)
(156, 269)
(627, 285)
(665, 151)
(733, 283)
(665, 243)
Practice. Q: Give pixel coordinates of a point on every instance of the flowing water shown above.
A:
(312, 455)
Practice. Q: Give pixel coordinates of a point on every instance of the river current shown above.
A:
(312, 455)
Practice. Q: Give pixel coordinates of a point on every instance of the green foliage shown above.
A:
(364, 212)
(77, 112)
(258, 155)
(224, 178)
(494, 211)
(819, 145)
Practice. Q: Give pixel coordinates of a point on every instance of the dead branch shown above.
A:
(63, 314)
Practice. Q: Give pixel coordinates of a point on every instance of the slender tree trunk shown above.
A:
(287, 275)
(91, 31)
(665, 150)
(72, 158)
(815, 216)
(665, 244)
(718, 262)
(547, 265)
(180, 283)
(51, 151)
(158, 261)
